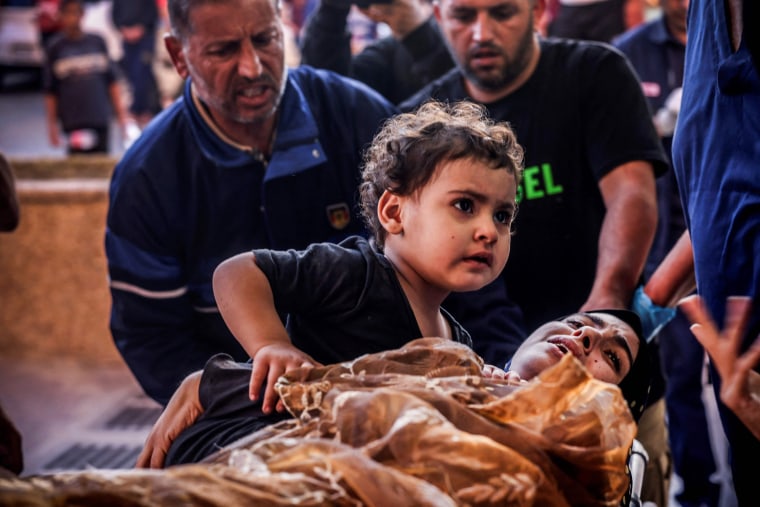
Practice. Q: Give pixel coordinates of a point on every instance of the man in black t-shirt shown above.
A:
(588, 207)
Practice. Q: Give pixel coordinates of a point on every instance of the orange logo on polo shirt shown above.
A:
(339, 215)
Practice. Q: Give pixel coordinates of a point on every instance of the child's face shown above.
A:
(71, 17)
(454, 233)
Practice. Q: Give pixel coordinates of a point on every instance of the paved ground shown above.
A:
(75, 413)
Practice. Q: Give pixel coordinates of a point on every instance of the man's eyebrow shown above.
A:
(619, 339)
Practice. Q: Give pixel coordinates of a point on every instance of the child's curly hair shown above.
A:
(405, 153)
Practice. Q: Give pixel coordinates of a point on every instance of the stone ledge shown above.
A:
(53, 274)
(61, 190)
(74, 166)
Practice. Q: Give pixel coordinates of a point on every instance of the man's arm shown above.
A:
(180, 413)
(326, 42)
(415, 42)
(164, 326)
(627, 233)
(674, 277)
(114, 92)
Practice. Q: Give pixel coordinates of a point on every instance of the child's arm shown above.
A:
(245, 300)
(51, 113)
(740, 384)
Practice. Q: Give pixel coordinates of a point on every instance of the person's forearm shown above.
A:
(674, 277)
(245, 301)
(180, 413)
(114, 90)
(427, 46)
(326, 43)
(626, 235)
(51, 110)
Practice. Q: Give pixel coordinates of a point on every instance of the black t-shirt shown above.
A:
(341, 301)
(580, 115)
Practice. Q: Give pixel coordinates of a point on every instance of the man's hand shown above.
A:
(183, 410)
(740, 384)
(269, 363)
(401, 16)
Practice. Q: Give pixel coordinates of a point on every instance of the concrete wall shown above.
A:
(54, 295)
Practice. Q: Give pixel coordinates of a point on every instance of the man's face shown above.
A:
(492, 41)
(235, 55)
(675, 14)
(604, 344)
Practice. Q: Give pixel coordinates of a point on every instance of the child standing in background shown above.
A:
(81, 89)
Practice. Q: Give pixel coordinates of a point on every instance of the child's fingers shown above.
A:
(258, 377)
(513, 378)
(491, 371)
(270, 395)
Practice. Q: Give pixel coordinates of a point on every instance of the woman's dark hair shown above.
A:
(636, 384)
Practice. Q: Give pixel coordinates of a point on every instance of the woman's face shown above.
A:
(603, 343)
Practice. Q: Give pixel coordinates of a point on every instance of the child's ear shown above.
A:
(389, 212)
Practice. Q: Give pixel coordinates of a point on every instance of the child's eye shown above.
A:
(464, 205)
(503, 217)
(614, 359)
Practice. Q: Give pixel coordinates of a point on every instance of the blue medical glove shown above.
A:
(653, 317)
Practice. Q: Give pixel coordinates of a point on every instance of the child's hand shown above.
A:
(491, 371)
(512, 378)
(269, 363)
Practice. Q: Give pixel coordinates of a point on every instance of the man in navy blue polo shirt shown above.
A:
(253, 155)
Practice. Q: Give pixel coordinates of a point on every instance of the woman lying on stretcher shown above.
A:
(211, 408)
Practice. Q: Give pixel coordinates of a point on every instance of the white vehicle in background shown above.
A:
(20, 41)
(20, 44)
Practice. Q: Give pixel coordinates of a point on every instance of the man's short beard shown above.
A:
(507, 74)
(275, 106)
(492, 83)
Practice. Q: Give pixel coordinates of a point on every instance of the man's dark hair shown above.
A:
(179, 14)
(409, 148)
(65, 3)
